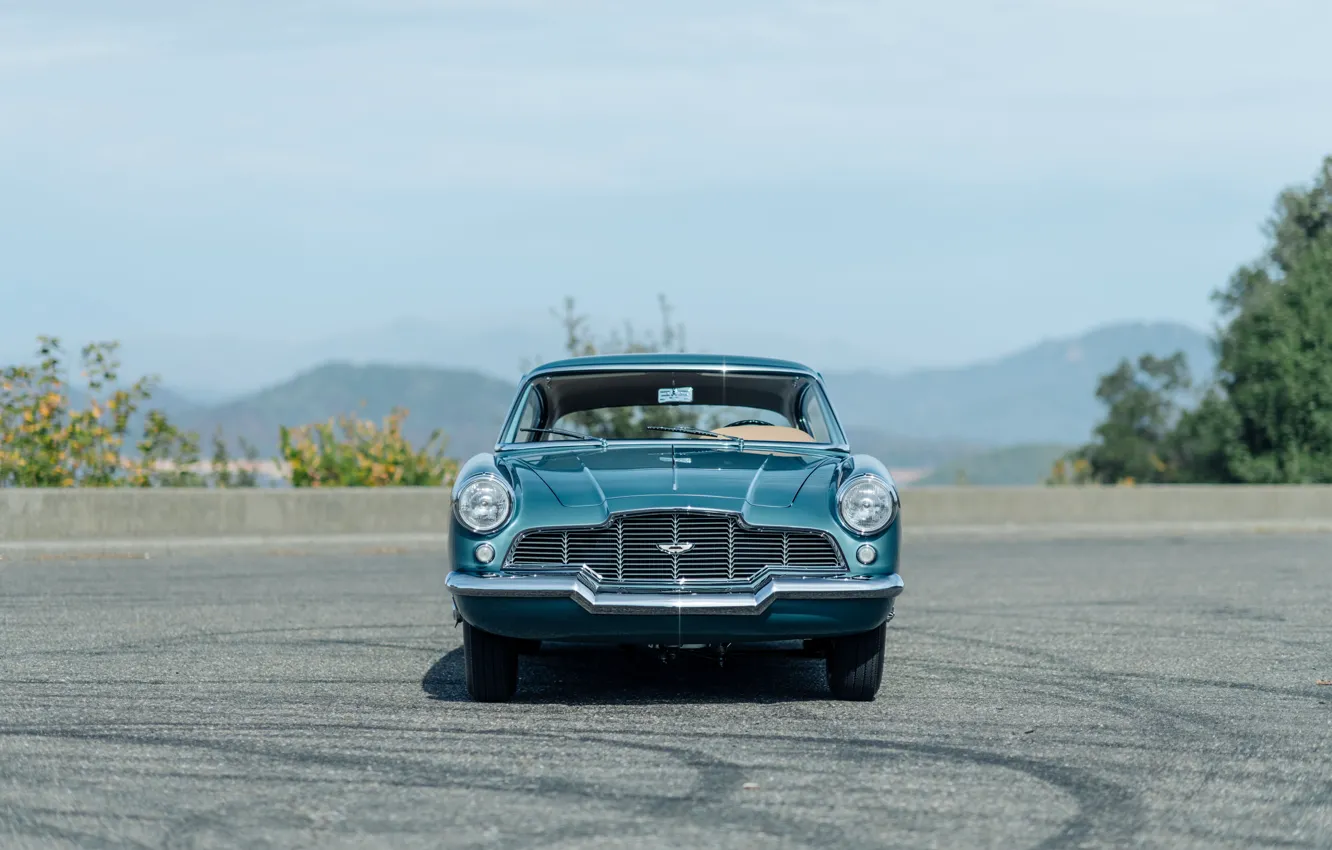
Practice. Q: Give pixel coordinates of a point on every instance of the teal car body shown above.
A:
(673, 538)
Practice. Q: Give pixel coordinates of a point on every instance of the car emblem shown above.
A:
(675, 548)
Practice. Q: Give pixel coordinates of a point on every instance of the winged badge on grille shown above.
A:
(675, 548)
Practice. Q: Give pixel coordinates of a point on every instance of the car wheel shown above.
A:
(492, 665)
(528, 647)
(855, 665)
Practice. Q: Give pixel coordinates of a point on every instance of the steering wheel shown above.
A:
(747, 422)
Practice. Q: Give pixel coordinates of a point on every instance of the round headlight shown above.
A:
(483, 504)
(867, 504)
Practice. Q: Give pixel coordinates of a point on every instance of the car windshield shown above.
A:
(673, 404)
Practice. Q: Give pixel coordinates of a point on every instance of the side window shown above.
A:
(813, 416)
(529, 417)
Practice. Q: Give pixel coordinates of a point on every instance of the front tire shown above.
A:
(855, 665)
(492, 665)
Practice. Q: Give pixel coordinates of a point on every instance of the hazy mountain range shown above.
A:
(1042, 394)
(1039, 400)
(998, 421)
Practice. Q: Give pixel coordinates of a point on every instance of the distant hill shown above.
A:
(468, 406)
(1010, 465)
(1036, 401)
(1041, 394)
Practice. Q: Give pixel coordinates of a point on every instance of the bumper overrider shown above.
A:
(583, 587)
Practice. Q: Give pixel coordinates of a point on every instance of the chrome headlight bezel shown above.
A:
(890, 493)
(473, 480)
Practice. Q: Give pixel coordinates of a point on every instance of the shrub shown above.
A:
(48, 441)
(366, 455)
(45, 441)
(223, 475)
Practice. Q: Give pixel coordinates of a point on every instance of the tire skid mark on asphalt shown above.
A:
(292, 753)
(1017, 678)
(1106, 809)
(1069, 693)
(186, 639)
(719, 780)
(717, 774)
(1191, 726)
(179, 830)
(985, 759)
(1252, 837)
(34, 827)
(1320, 799)
(1091, 688)
(1104, 675)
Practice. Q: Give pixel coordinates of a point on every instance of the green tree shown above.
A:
(1266, 416)
(1276, 372)
(1133, 443)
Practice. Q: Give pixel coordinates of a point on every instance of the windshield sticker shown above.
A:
(668, 395)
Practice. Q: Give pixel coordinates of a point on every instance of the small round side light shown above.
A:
(866, 554)
(485, 553)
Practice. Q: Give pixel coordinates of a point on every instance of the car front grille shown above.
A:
(719, 549)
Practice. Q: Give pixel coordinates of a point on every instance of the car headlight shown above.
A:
(483, 504)
(867, 504)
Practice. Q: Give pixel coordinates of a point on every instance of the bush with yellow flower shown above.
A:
(351, 452)
(46, 440)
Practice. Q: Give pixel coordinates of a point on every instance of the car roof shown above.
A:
(666, 360)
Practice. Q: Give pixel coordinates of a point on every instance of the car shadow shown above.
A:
(579, 674)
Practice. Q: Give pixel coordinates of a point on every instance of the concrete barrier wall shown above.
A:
(980, 506)
(101, 518)
(31, 515)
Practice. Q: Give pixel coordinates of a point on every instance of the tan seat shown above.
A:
(776, 433)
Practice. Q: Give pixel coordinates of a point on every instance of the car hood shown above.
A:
(595, 476)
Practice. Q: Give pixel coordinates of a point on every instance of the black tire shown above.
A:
(855, 665)
(492, 665)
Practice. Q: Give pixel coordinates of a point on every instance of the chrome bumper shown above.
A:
(584, 589)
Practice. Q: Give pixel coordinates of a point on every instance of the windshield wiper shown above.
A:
(685, 429)
(563, 433)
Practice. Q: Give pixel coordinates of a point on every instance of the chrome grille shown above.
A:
(627, 549)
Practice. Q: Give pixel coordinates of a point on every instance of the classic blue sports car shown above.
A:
(678, 501)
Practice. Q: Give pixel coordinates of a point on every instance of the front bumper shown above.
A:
(583, 588)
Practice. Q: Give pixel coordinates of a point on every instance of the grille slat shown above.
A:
(627, 550)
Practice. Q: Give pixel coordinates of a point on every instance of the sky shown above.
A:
(861, 184)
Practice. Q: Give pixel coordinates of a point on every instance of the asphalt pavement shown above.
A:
(1113, 693)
